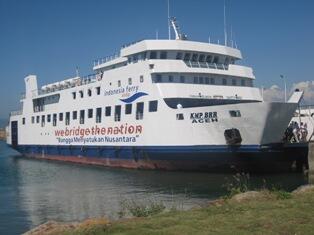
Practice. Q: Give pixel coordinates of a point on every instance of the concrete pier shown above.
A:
(2, 134)
(310, 157)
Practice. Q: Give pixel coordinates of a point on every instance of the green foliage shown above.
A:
(280, 193)
(239, 183)
(137, 209)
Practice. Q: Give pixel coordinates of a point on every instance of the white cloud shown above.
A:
(275, 93)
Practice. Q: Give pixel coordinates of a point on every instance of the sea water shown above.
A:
(33, 192)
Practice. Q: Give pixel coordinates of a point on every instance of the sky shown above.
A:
(51, 38)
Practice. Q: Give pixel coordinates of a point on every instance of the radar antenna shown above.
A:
(176, 29)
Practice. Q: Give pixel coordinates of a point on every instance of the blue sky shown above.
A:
(51, 38)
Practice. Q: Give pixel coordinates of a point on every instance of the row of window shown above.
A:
(98, 90)
(200, 80)
(186, 56)
(89, 92)
(97, 113)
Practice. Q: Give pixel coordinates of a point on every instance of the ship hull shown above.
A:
(251, 158)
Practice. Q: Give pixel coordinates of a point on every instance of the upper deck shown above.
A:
(173, 48)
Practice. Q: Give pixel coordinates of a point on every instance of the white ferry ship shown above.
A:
(157, 104)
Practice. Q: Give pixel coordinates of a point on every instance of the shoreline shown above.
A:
(2, 134)
(264, 211)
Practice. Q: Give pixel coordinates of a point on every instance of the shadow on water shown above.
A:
(36, 191)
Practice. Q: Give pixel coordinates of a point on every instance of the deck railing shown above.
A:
(106, 59)
(81, 81)
(16, 113)
(196, 64)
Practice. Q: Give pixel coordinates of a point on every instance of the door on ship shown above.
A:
(14, 133)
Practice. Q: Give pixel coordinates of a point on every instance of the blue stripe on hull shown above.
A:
(175, 157)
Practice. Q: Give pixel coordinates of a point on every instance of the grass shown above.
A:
(276, 213)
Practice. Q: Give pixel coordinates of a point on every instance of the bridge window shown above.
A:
(224, 81)
(90, 113)
(194, 57)
(201, 58)
(216, 60)
(227, 60)
(242, 82)
(108, 111)
(234, 82)
(152, 106)
(60, 117)
(135, 58)
(195, 80)
(128, 108)
(98, 115)
(54, 119)
(117, 113)
(187, 56)
(82, 116)
(74, 115)
(212, 81)
(209, 59)
(139, 110)
(170, 77)
(74, 95)
(179, 56)
(163, 55)
(153, 55)
(48, 118)
(67, 118)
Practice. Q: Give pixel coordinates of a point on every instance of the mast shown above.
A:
(169, 33)
(225, 24)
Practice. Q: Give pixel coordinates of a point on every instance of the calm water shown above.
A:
(32, 192)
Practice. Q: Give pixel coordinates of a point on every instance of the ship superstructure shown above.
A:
(169, 104)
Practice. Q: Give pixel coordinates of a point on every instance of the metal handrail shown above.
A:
(197, 64)
(16, 113)
(106, 59)
(91, 78)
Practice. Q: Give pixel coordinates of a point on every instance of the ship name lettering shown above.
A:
(205, 117)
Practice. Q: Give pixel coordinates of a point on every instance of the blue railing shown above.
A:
(106, 59)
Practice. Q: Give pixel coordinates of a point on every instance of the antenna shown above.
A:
(169, 33)
(77, 71)
(157, 34)
(209, 39)
(225, 24)
(231, 36)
